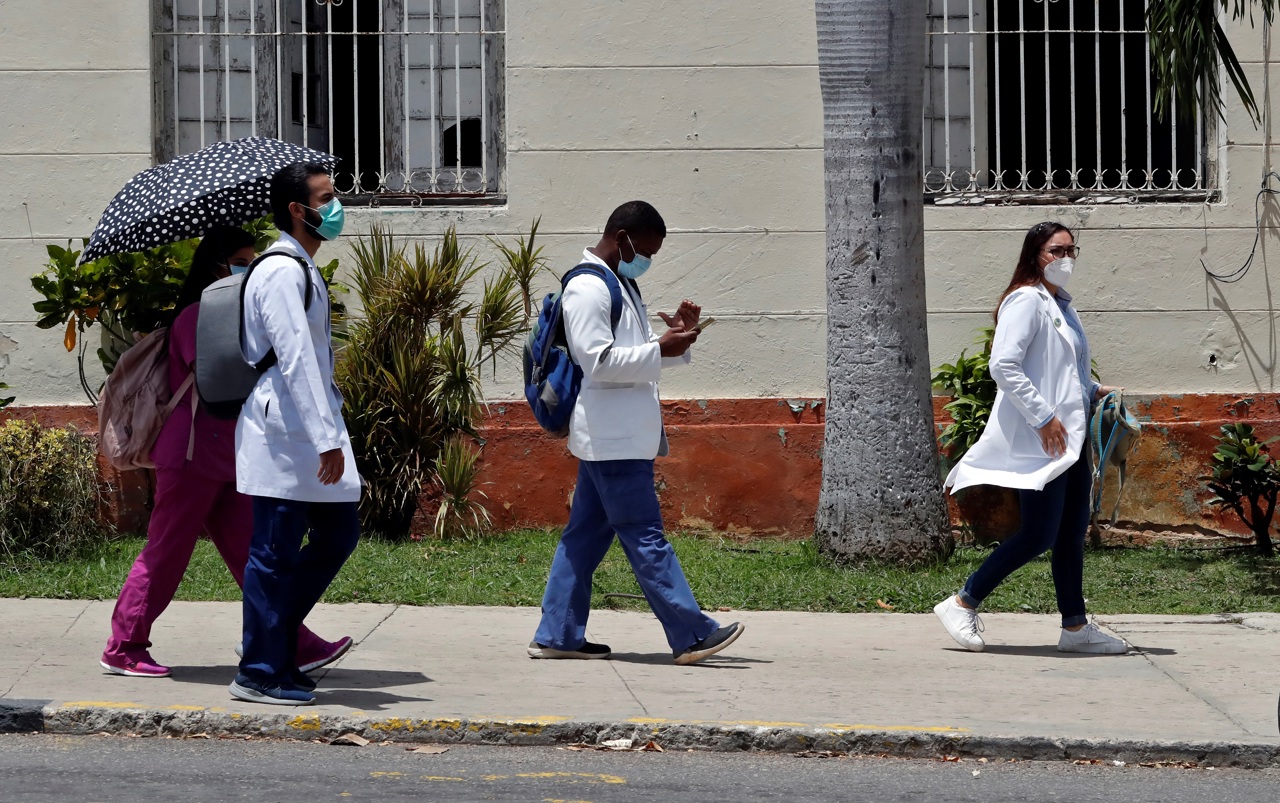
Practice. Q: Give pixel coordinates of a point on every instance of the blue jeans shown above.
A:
(617, 496)
(1055, 518)
(284, 579)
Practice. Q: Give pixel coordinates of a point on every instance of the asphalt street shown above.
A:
(109, 769)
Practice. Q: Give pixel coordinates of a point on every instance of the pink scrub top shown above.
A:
(214, 450)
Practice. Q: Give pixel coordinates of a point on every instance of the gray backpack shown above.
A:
(224, 379)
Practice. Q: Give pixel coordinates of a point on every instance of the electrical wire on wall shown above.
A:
(1266, 189)
(1239, 273)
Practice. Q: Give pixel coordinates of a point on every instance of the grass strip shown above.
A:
(510, 569)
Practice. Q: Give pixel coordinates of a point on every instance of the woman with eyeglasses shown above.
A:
(1035, 442)
(195, 486)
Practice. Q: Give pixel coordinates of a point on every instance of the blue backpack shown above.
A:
(551, 378)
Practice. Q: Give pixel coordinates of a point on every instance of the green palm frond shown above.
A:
(1187, 42)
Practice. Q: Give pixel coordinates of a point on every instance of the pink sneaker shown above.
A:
(145, 667)
(332, 651)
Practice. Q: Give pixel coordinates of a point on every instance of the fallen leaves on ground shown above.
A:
(350, 739)
(818, 754)
(428, 749)
(884, 605)
(619, 745)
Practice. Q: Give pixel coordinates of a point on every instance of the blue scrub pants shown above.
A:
(1055, 518)
(284, 579)
(617, 497)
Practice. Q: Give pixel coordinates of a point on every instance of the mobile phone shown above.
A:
(704, 323)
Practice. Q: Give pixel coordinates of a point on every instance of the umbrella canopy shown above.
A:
(227, 182)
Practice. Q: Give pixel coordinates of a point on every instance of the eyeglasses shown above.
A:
(1060, 251)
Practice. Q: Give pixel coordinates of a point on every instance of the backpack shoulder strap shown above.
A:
(270, 358)
(610, 281)
(302, 263)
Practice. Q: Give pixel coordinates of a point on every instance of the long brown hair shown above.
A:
(1028, 271)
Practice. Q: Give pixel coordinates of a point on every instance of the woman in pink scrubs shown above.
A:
(195, 488)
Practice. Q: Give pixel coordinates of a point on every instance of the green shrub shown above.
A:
(1246, 479)
(124, 294)
(409, 371)
(48, 491)
(973, 393)
(5, 401)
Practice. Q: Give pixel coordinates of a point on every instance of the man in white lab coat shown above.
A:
(616, 432)
(293, 454)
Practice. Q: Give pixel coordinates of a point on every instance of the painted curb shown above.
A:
(22, 716)
(71, 719)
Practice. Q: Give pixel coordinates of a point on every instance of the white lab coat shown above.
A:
(617, 415)
(295, 411)
(1033, 363)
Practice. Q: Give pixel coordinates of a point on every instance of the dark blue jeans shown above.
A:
(617, 496)
(284, 579)
(1055, 518)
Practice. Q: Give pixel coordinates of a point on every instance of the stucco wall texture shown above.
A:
(712, 112)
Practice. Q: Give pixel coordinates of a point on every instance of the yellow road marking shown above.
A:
(99, 704)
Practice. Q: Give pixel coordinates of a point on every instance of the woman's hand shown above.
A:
(1053, 437)
(1103, 390)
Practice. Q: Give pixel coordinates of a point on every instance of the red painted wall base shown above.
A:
(754, 466)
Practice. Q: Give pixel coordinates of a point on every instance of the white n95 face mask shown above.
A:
(1058, 272)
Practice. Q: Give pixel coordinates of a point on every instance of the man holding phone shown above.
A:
(616, 432)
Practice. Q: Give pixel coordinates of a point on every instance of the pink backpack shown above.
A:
(136, 401)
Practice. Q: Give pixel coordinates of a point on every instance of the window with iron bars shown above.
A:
(1043, 101)
(406, 93)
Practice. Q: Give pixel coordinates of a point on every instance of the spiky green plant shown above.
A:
(1187, 42)
(410, 374)
(524, 262)
(461, 514)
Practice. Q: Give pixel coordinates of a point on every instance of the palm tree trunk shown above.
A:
(881, 495)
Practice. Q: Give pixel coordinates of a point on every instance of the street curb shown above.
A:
(74, 719)
(22, 716)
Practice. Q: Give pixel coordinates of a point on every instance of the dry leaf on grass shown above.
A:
(884, 605)
(350, 739)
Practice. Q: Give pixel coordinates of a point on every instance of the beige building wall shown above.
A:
(75, 88)
(712, 112)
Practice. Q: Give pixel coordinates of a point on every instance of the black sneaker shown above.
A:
(255, 692)
(302, 680)
(710, 645)
(587, 651)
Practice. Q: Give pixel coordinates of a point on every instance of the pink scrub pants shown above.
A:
(186, 504)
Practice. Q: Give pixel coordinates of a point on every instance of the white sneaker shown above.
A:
(962, 623)
(1091, 639)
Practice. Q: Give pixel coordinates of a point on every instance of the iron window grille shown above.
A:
(1050, 101)
(407, 93)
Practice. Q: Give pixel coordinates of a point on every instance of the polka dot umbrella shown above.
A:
(226, 182)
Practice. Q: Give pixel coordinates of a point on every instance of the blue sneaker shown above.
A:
(272, 694)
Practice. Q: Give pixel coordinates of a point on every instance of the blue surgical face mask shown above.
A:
(332, 216)
(236, 270)
(636, 267)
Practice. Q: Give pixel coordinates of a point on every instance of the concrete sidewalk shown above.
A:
(1200, 689)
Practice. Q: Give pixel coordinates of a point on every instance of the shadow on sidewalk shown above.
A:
(363, 699)
(664, 659)
(1050, 651)
(329, 677)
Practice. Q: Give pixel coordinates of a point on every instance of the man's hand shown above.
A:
(676, 340)
(1053, 437)
(332, 464)
(1103, 390)
(687, 314)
